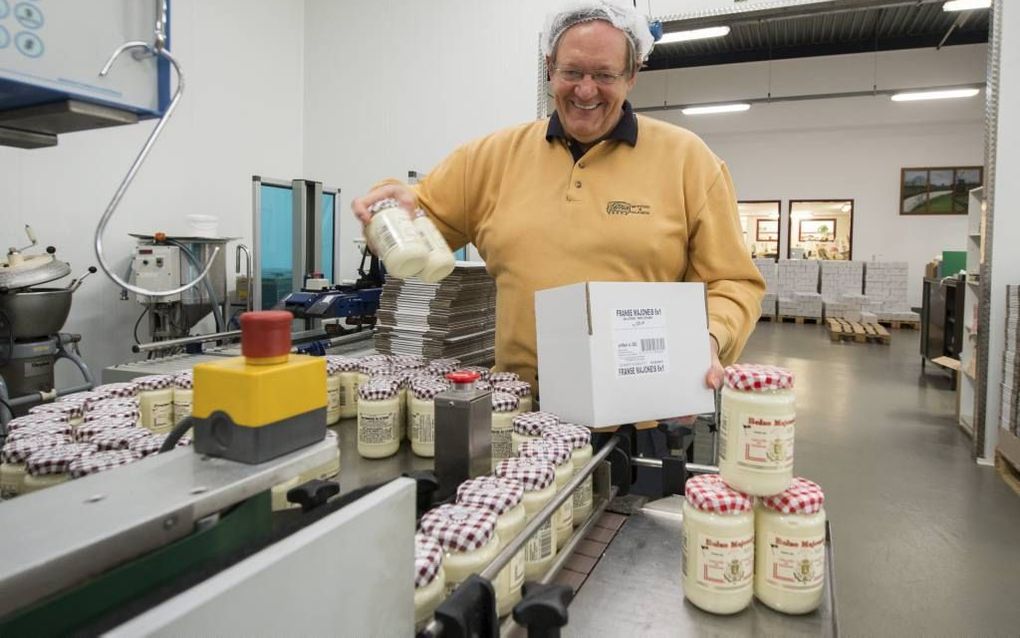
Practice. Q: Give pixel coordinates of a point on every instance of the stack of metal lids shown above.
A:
(455, 318)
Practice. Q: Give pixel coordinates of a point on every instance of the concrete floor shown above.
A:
(927, 543)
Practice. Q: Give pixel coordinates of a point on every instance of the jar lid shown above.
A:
(34, 418)
(83, 399)
(113, 404)
(86, 431)
(802, 497)
(534, 474)
(19, 451)
(460, 528)
(709, 493)
(751, 377)
(185, 380)
(557, 452)
(428, 558)
(151, 444)
(443, 366)
(155, 382)
(100, 461)
(383, 204)
(103, 411)
(407, 361)
(483, 372)
(532, 423)
(125, 389)
(483, 386)
(504, 402)
(65, 410)
(118, 438)
(517, 388)
(498, 494)
(428, 390)
(333, 367)
(385, 358)
(53, 428)
(378, 389)
(347, 364)
(54, 460)
(500, 377)
(576, 435)
(375, 368)
(266, 333)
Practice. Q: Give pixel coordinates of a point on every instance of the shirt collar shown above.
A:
(624, 131)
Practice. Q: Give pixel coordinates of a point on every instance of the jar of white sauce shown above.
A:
(579, 438)
(332, 391)
(440, 262)
(467, 534)
(156, 400)
(68, 411)
(538, 478)
(184, 394)
(429, 579)
(348, 385)
(378, 411)
(422, 414)
(558, 453)
(504, 409)
(394, 238)
(528, 426)
(520, 389)
(48, 467)
(13, 457)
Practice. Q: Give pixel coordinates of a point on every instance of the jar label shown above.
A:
(517, 571)
(333, 398)
(502, 444)
(639, 340)
(760, 443)
(540, 546)
(377, 429)
(565, 515)
(162, 414)
(182, 409)
(583, 495)
(719, 564)
(795, 564)
(423, 428)
(392, 228)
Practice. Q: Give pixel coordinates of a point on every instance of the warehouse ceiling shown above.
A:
(824, 28)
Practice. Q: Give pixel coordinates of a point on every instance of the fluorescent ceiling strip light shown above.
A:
(913, 96)
(966, 5)
(695, 34)
(715, 108)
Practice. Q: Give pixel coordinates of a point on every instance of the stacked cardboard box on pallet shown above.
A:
(887, 282)
(769, 270)
(854, 307)
(841, 283)
(798, 288)
(1010, 375)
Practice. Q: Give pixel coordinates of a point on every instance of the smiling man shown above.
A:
(593, 193)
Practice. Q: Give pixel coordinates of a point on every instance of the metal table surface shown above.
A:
(636, 589)
(356, 472)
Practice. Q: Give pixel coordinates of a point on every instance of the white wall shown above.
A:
(240, 115)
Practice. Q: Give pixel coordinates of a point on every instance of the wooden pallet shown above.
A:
(1010, 473)
(843, 330)
(901, 325)
(767, 318)
(798, 320)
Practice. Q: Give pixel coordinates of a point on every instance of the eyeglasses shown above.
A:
(604, 78)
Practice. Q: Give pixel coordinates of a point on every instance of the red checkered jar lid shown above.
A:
(748, 377)
(802, 497)
(427, 390)
(114, 404)
(17, 452)
(333, 367)
(53, 428)
(504, 402)
(375, 368)
(83, 399)
(118, 438)
(534, 474)
(86, 431)
(483, 372)
(557, 452)
(576, 435)
(428, 559)
(150, 444)
(460, 528)
(125, 389)
(443, 366)
(185, 380)
(709, 493)
(532, 423)
(347, 364)
(518, 388)
(483, 386)
(155, 382)
(498, 494)
(34, 418)
(385, 358)
(407, 362)
(100, 462)
(500, 377)
(102, 411)
(65, 411)
(56, 459)
(378, 389)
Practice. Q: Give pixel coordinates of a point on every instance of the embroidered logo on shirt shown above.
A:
(617, 207)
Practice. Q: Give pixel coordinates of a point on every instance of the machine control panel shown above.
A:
(156, 268)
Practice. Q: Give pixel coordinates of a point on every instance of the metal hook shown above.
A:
(101, 228)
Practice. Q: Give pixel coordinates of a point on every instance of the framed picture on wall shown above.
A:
(938, 190)
(816, 230)
(767, 230)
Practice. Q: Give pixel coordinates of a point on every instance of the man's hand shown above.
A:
(714, 378)
(403, 194)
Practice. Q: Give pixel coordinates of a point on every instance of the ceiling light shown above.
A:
(941, 94)
(966, 5)
(695, 34)
(715, 108)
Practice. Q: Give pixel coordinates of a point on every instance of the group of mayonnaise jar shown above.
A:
(754, 530)
(408, 246)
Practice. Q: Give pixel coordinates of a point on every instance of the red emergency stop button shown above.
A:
(265, 334)
(463, 376)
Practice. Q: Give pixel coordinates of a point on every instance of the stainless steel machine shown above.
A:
(31, 319)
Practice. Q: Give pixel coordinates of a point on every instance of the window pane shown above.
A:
(327, 237)
(276, 248)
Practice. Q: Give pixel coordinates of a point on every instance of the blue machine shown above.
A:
(333, 303)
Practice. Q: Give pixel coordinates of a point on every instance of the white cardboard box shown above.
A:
(620, 352)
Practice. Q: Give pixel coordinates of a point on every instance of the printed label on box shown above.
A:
(639, 339)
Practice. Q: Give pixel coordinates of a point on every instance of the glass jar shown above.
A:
(717, 546)
(70, 412)
(429, 579)
(100, 461)
(579, 438)
(528, 426)
(756, 428)
(348, 385)
(121, 408)
(538, 478)
(520, 389)
(156, 400)
(121, 390)
(505, 497)
(422, 415)
(332, 392)
(102, 423)
(118, 438)
(442, 367)
(278, 494)
(378, 411)
(30, 430)
(35, 419)
(789, 530)
(504, 409)
(48, 467)
(151, 444)
(370, 367)
(328, 470)
(184, 395)
(558, 453)
(440, 262)
(13, 457)
(82, 399)
(467, 534)
(393, 237)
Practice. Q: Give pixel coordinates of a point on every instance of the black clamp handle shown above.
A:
(470, 611)
(622, 473)
(543, 610)
(427, 484)
(312, 494)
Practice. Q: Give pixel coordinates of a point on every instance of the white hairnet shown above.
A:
(623, 17)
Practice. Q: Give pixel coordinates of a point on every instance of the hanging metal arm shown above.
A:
(158, 50)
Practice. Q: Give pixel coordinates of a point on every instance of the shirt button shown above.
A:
(577, 184)
(580, 164)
